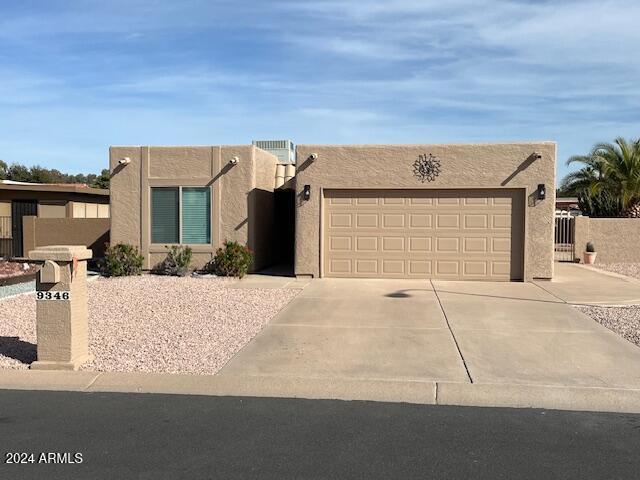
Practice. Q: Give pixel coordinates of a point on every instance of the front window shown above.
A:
(181, 215)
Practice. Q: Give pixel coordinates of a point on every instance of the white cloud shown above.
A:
(318, 71)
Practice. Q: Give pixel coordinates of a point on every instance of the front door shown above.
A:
(19, 209)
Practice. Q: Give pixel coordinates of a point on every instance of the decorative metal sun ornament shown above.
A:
(426, 168)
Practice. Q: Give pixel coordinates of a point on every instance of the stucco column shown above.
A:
(61, 307)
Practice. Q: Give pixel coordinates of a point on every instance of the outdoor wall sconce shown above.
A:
(542, 191)
(234, 161)
(306, 192)
(124, 161)
(537, 156)
(313, 157)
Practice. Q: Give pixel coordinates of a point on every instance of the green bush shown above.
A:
(231, 260)
(121, 260)
(177, 263)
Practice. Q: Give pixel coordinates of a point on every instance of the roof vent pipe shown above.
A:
(289, 172)
(280, 174)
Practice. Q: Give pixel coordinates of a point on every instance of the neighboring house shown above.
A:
(567, 203)
(472, 212)
(44, 201)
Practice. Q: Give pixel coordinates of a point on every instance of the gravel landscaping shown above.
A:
(153, 324)
(625, 321)
(628, 269)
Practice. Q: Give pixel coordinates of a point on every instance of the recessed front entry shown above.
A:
(446, 234)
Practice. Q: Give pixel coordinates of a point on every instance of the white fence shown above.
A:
(564, 237)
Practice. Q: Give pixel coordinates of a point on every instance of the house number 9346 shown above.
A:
(53, 296)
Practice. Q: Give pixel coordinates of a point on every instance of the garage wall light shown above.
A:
(306, 192)
(542, 191)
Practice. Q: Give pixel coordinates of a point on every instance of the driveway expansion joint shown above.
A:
(550, 293)
(455, 340)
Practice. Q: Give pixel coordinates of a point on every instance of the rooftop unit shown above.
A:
(283, 149)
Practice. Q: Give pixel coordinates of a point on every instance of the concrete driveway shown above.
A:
(421, 330)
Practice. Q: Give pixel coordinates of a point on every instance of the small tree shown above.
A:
(608, 184)
(18, 173)
(101, 181)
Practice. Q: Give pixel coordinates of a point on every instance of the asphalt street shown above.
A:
(174, 436)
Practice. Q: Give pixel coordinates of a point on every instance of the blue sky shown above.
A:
(78, 76)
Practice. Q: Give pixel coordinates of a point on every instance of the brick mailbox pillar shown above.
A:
(61, 307)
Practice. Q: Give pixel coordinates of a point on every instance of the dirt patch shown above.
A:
(14, 269)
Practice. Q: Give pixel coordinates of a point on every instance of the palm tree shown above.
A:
(608, 184)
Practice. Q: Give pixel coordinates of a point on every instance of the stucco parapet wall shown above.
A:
(61, 253)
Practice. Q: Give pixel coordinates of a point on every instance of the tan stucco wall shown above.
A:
(52, 210)
(90, 232)
(506, 165)
(617, 240)
(234, 209)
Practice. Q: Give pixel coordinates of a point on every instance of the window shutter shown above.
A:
(165, 215)
(196, 215)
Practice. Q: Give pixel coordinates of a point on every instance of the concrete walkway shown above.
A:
(586, 285)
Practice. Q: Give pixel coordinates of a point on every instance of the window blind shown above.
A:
(196, 215)
(165, 215)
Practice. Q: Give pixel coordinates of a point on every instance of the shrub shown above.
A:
(231, 260)
(121, 260)
(177, 262)
(590, 247)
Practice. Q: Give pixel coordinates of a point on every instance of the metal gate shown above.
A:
(19, 209)
(6, 240)
(564, 247)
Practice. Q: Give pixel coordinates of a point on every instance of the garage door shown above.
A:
(448, 234)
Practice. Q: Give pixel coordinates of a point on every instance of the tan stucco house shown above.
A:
(468, 211)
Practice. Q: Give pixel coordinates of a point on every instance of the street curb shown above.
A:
(46, 380)
(551, 397)
(267, 386)
(540, 396)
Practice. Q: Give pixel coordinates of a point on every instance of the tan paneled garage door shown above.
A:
(448, 234)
